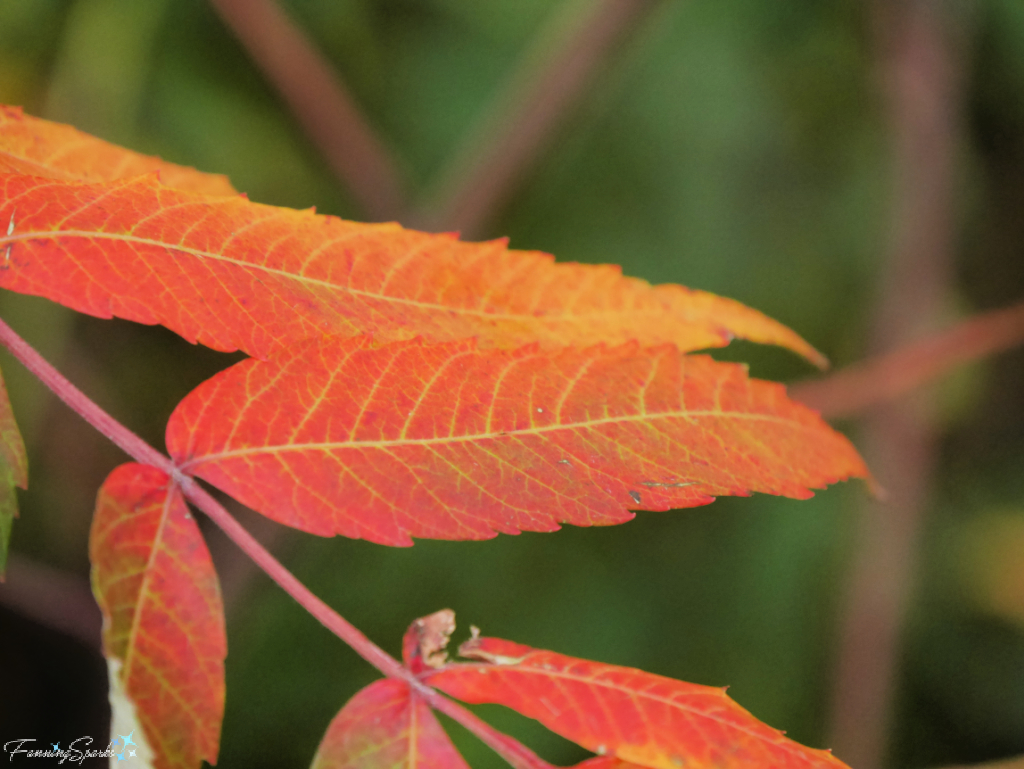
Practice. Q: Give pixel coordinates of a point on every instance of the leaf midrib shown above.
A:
(304, 280)
(782, 741)
(327, 446)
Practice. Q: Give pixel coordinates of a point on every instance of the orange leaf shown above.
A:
(163, 621)
(13, 472)
(385, 726)
(237, 275)
(604, 762)
(37, 147)
(450, 442)
(634, 716)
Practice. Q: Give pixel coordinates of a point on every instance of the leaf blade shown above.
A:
(384, 725)
(36, 147)
(238, 275)
(13, 472)
(449, 441)
(163, 629)
(637, 717)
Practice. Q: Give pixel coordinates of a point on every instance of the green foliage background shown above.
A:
(734, 145)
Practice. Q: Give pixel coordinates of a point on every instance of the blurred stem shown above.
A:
(320, 102)
(886, 377)
(509, 138)
(1009, 763)
(52, 597)
(518, 755)
(920, 68)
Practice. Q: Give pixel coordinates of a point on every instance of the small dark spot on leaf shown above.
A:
(636, 496)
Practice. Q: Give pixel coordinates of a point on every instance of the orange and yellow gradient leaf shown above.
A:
(451, 442)
(233, 274)
(35, 147)
(623, 713)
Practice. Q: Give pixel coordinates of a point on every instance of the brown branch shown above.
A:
(508, 140)
(319, 101)
(921, 72)
(886, 377)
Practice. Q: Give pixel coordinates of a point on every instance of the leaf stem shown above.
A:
(517, 754)
(511, 750)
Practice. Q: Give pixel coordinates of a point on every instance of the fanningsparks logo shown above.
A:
(122, 748)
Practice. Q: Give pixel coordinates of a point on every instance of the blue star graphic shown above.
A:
(56, 746)
(128, 740)
(120, 756)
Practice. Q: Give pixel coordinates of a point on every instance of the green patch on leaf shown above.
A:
(13, 472)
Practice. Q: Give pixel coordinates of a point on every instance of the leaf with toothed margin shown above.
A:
(623, 713)
(163, 620)
(448, 441)
(35, 147)
(82, 224)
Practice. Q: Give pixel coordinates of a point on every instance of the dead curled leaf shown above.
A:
(426, 639)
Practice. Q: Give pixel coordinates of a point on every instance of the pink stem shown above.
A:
(517, 754)
(512, 751)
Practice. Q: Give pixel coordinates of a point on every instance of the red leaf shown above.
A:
(635, 716)
(13, 472)
(386, 726)
(37, 147)
(450, 442)
(163, 621)
(233, 274)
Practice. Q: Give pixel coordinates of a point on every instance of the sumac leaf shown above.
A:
(29, 145)
(233, 274)
(163, 620)
(451, 442)
(623, 713)
(385, 726)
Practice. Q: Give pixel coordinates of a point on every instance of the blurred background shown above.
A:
(853, 169)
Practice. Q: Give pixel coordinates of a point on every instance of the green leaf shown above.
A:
(13, 472)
